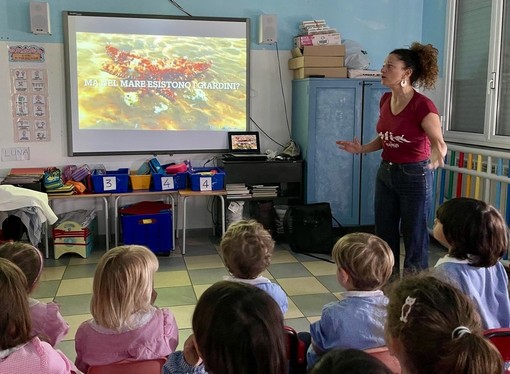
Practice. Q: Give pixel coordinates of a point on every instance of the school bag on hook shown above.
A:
(309, 228)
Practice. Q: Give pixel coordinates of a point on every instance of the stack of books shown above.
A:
(237, 191)
(315, 27)
(261, 190)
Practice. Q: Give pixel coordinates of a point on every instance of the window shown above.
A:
(477, 107)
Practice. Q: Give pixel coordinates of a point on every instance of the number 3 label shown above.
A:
(205, 184)
(109, 183)
(167, 183)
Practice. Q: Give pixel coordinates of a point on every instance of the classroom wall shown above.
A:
(378, 25)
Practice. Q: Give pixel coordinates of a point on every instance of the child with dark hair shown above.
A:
(47, 322)
(364, 265)
(20, 351)
(247, 248)
(433, 327)
(476, 236)
(349, 361)
(238, 329)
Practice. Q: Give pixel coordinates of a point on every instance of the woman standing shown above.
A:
(409, 133)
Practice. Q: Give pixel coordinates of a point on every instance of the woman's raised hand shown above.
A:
(351, 147)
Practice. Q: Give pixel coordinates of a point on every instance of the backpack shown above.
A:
(309, 228)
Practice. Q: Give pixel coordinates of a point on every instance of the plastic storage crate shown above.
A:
(169, 182)
(152, 229)
(140, 182)
(207, 179)
(113, 181)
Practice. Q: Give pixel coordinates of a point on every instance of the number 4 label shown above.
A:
(205, 184)
(109, 183)
(167, 183)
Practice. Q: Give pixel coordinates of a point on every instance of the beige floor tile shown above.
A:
(293, 311)
(281, 257)
(46, 300)
(319, 268)
(78, 286)
(302, 286)
(75, 322)
(52, 273)
(92, 259)
(267, 274)
(183, 315)
(171, 279)
(203, 262)
(313, 319)
(199, 289)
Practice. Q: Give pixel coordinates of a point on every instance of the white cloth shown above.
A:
(12, 198)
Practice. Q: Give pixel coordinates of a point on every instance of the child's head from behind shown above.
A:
(472, 230)
(15, 323)
(247, 248)
(366, 258)
(27, 258)
(123, 284)
(349, 361)
(432, 327)
(239, 330)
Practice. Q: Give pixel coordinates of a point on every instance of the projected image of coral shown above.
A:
(151, 82)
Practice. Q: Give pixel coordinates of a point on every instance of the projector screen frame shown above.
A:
(149, 141)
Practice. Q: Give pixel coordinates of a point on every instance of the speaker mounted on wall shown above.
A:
(40, 17)
(268, 29)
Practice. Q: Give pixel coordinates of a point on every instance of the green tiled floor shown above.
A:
(309, 283)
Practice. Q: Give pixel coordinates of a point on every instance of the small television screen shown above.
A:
(151, 84)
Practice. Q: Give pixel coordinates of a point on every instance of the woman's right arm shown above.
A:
(356, 147)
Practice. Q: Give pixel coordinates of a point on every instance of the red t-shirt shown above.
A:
(403, 138)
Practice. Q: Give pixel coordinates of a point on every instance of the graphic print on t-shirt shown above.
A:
(392, 141)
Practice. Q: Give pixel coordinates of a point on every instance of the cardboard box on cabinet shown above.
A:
(316, 62)
(317, 39)
(340, 72)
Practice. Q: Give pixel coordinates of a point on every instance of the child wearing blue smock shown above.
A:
(476, 236)
(247, 248)
(364, 265)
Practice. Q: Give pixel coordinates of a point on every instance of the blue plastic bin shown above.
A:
(113, 181)
(200, 182)
(151, 230)
(169, 182)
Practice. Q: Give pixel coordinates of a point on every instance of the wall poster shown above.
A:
(29, 94)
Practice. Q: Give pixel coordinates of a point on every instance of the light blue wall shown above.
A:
(378, 25)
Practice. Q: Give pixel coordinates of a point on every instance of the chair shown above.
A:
(500, 337)
(383, 354)
(296, 351)
(130, 367)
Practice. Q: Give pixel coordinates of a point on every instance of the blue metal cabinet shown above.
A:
(325, 110)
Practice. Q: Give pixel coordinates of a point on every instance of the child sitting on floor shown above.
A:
(246, 248)
(432, 327)
(20, 351)
(476, 236)
(364, 265)
(238, 329)
(47, 322)
(126, 326)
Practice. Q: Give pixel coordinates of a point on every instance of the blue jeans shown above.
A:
(403, 194)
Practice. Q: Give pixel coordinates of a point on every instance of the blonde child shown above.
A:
(364, 265)
(125, 324)
(247, 248)
(433, 327)
(20, 351)
(47, 322)
(476, 236)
